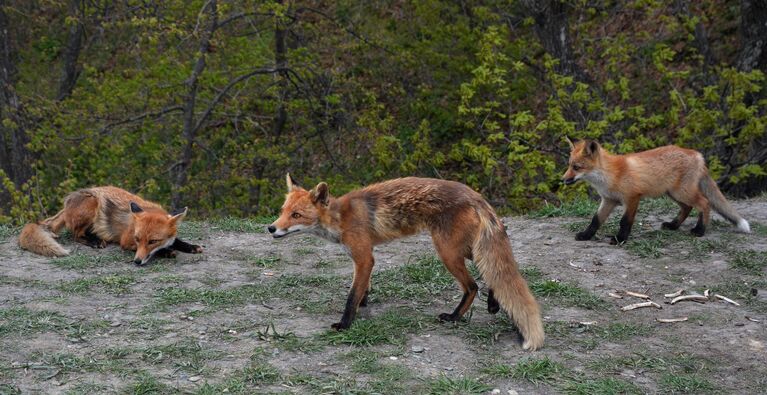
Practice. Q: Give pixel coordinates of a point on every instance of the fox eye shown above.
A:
(576, 167)
(296, 215)
(154, 241)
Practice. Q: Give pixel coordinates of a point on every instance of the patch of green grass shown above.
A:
(303, 251)
(6, 231)
(267, 261)
(242, 225)
(390, 327)
(68, 363)
(420, 280)
(85, 388)
(566, 294)
(576, 208)
(80, 261)
(169, 279)
(685, 384)
(485, 333)
(146, 385)
(384, 377)
(531, 273)
(9, 389)
(363, 360)
(750, 261)
(20, 320)
(576, 226)
(619, 331)
(114, 284)
(260, 373)
(758, 229)
(192, 230)
(459, 385)
(661, 205)
(601, 386)
(187, 355)
(649, 245)
(537, 371)
(288, 341)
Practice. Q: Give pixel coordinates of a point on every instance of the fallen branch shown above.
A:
(674, 294)
(641, 305)
(694, 298)
(670, 320)
(637, 295)
(726, 299)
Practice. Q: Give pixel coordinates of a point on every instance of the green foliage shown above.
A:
(457, 92)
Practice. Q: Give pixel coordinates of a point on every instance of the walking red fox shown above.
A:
(100, 215)
(624, 179)
(462, 225)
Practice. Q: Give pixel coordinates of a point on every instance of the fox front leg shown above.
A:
(606, 206)
(363, 268)
(180, 245)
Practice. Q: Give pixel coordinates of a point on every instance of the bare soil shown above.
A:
(253, 314)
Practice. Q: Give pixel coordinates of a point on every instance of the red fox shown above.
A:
(100, 215)
(624, 179)
(462, 225)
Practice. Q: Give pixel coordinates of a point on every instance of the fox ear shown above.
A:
(320, 194)
(570, 142)
(179, 216)
(591, 147)
(135, 209)
(292, 184)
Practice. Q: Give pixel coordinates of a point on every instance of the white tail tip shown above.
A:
(743, 226)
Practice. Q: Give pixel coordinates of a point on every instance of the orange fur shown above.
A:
(100, 215)
(462, 225)
(625, 179)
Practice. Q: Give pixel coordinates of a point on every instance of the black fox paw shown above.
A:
(669, 226)
(448, 317)
(197, 249)
(698, 231)
(582, 236)
(339, 326)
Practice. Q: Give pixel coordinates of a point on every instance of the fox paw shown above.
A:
(197, 249)
(698, 231)
(448, 317)
(582, 236)
(615, 240)
(669, 226)
(339, 326)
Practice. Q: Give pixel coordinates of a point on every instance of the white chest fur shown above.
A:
(599, 181)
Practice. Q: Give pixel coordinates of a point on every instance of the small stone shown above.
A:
(417, 349)
(115, 324)
(495, 391)
(393, 358)
(449, 368)
(739, 324)
(512, 392)
(232, 331)
(195, 378)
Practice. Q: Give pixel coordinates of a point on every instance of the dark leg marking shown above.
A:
(456, 314)
(180, 245)
(492, 304)
(624, 231)
(91, 240)
(700, 228)
(350, 311)
(590, 231)
(165, 253)
(364, 301)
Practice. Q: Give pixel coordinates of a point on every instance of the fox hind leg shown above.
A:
(454, 260)
(684, 211)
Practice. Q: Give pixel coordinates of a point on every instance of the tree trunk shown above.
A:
(15, 158)
(753, 35)
(71, 69)
(190, 101)
(281, 114)
(552, 28)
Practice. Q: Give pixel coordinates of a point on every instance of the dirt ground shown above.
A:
(253, 314)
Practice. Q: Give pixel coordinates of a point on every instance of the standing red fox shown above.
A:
(100, 215)
(462, 225)
(624, 179)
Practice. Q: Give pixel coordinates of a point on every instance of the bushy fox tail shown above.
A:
(718, 202)
(492, 255)
(40, 237)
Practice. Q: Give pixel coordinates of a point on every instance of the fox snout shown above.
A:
(569, 181)
(271, 228)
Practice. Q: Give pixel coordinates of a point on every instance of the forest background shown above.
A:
(208, 103)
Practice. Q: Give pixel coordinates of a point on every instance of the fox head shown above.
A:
(302, 209)
(153, 230)
(584, 158)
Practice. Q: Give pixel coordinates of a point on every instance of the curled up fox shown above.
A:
(100, 215)
(462, 226)
(677, 172)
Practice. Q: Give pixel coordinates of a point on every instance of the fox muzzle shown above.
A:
(570, 181)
